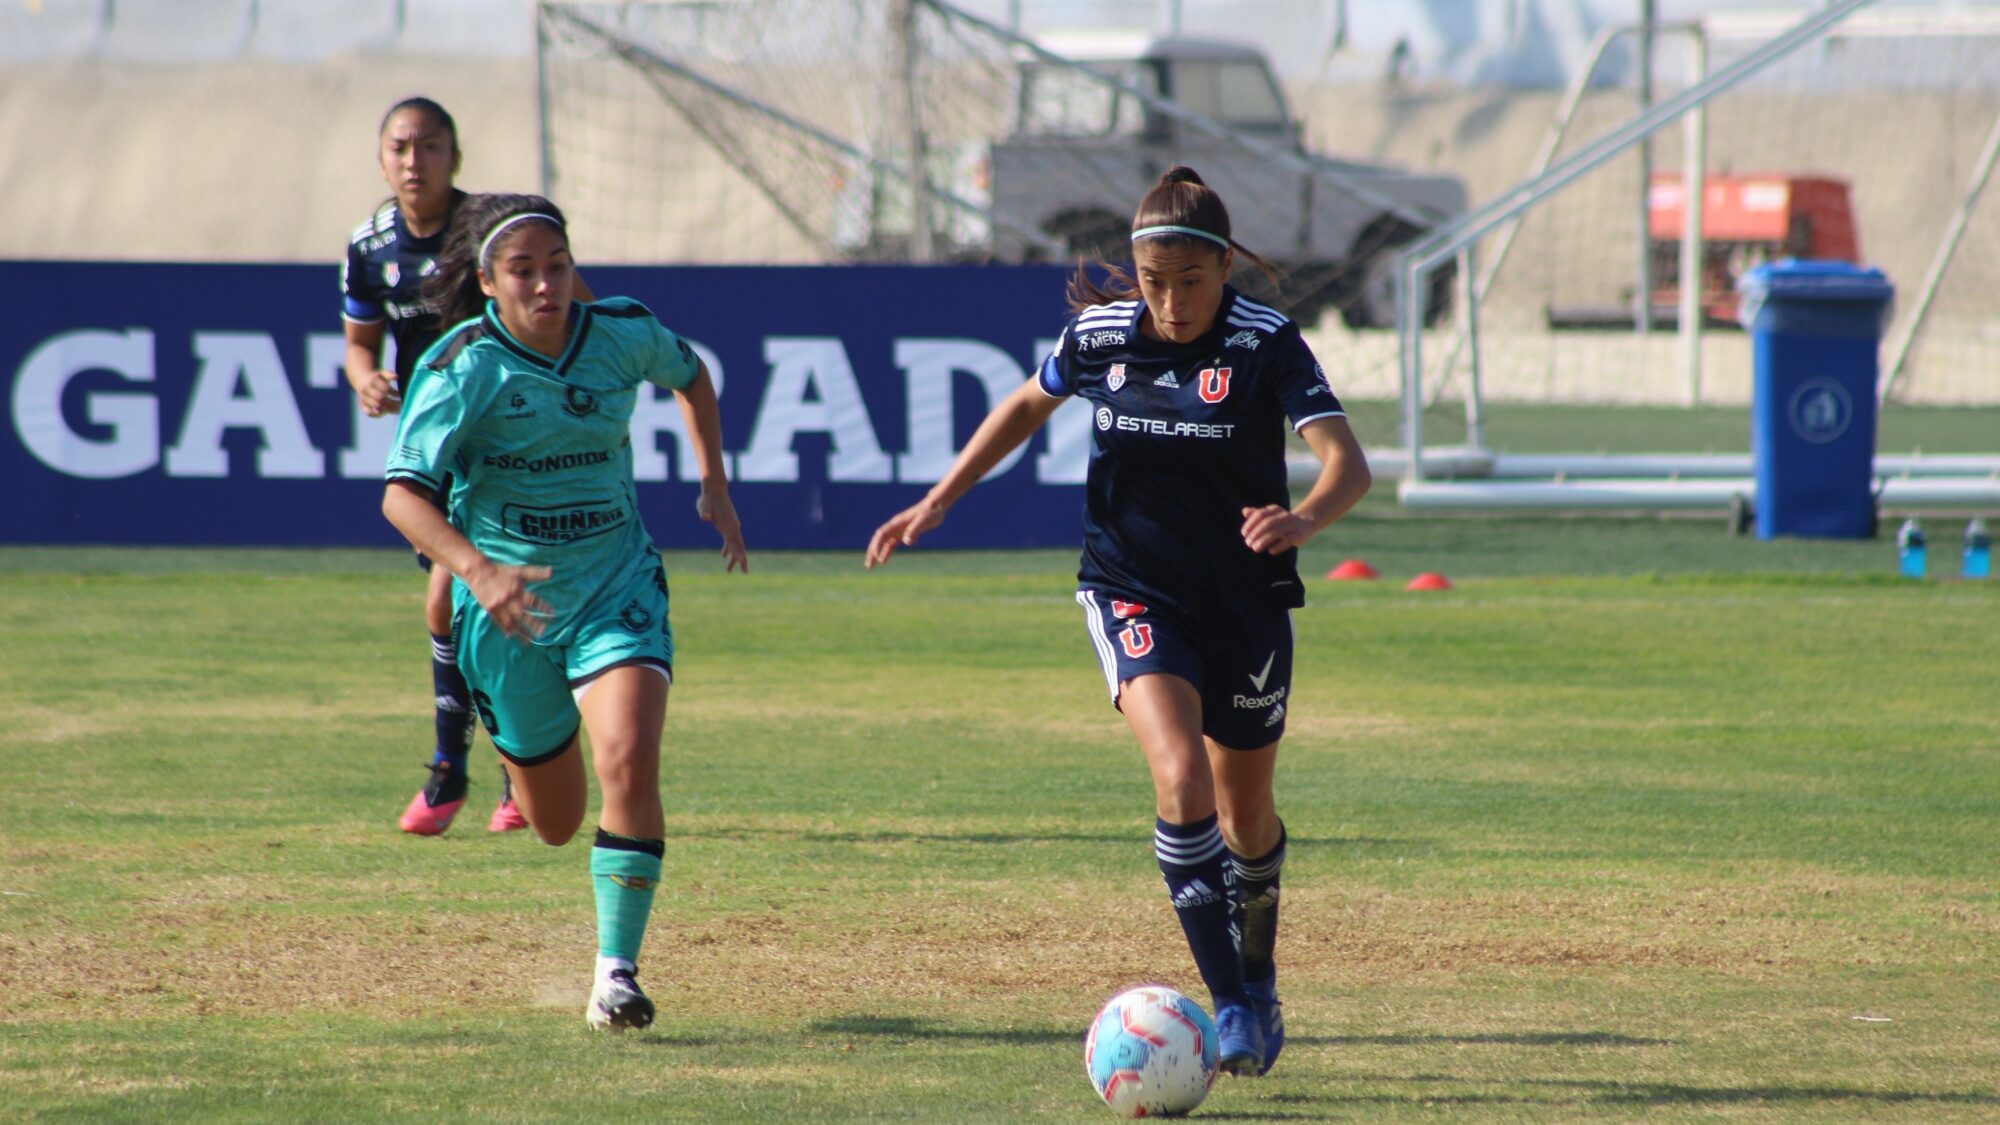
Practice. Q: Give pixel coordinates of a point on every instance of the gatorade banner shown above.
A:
(205, 404)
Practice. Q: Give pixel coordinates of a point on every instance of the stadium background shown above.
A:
(233, 132)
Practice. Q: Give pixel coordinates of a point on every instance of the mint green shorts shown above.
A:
(526, 693)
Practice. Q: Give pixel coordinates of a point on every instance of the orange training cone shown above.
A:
(1351, 569)
(1429, 580)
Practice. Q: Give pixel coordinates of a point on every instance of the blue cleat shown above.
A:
(1240, 1040)
(1270, 1018)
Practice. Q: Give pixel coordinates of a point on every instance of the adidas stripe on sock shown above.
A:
(1195, 863)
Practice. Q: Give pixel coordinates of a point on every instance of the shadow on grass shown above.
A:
(906, 1027)
(995, 839)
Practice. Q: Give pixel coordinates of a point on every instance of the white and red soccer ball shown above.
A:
(1151, 1052)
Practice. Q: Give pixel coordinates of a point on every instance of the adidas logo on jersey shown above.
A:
(1167, 380)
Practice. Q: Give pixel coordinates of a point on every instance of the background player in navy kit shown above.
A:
(529, 406)
(388, 257)
(1189, 569)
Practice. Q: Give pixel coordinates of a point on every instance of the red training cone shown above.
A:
(1429, 580)
(1351, 569)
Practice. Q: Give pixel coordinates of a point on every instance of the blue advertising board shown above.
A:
(177, 404)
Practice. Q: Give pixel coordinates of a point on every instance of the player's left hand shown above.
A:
(714, 506)
(1273, 530)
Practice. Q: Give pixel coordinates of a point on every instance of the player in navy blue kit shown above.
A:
(1189, 571)
(388, 257)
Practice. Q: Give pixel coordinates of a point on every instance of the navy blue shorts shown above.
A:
(1243, 672)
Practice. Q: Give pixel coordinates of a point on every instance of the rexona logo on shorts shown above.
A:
(565, 524)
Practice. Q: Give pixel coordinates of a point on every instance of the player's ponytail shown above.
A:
(479, 227)
(1180, 209)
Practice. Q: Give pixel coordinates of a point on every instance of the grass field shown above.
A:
(1639, 821)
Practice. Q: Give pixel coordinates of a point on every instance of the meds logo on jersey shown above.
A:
(579, 403)
(1244, 339)
(565, 524)
(1116, 378)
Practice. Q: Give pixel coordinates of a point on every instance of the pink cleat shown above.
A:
(506, 817)
(422, 819)
(428, 814)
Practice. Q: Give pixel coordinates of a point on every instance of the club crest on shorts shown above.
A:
(1116, 378)
(1137, 639)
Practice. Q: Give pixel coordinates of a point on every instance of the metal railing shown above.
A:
(1451, 241)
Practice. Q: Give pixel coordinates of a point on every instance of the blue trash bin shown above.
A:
(1815, 328)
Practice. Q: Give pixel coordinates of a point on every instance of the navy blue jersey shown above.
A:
(1184, 437)
(382, 279)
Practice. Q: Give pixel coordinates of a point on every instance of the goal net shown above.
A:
(873, 130)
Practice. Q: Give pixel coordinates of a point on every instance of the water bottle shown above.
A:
(1977, 561)
(1910, 548)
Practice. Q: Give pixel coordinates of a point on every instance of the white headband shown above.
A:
(487, 246)
(1215, 238)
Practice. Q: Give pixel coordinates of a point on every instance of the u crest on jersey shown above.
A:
(1214, 384)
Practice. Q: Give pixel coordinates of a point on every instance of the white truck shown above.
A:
(1082, 152)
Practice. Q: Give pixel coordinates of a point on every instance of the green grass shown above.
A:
(1634, 822)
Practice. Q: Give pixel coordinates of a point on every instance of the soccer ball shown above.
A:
(1151, 1052)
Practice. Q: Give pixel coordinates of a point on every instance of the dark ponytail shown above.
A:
(1179, 199)
(453, 286)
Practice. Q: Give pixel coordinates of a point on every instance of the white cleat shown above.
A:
(616, 1003)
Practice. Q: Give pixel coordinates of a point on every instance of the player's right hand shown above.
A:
(503, 591)
(902, 531)
(379, 397)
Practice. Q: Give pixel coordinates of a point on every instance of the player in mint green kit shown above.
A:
(560, 602)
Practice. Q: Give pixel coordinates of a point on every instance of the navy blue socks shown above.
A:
(1257, 890)
(1196, 865)
(454, 705)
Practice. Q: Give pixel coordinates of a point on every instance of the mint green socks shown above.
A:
(624, 871)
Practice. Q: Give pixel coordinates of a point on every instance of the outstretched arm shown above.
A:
(704, 429)
(503, 590)
(1011, 423)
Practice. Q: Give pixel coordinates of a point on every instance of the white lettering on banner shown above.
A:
(928, 366)
(818, 365)
(133, 419)
(240, 382)
(250, 360)
(657, 411)
(1067, 458)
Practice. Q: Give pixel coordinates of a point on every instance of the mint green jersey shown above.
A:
(539, 450)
